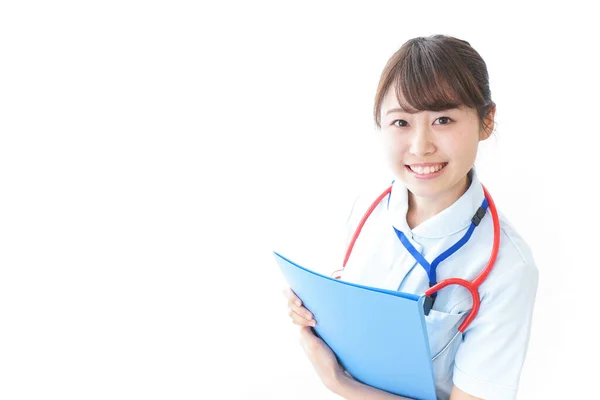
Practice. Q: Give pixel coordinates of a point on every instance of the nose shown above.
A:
(421, 141)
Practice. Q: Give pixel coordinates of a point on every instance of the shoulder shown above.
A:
(515, 265)
(364, 199)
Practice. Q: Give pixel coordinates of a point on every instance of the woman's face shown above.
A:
(431, 152)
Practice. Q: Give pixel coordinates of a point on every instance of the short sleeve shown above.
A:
(489, 360)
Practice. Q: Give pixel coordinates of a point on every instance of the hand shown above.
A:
(322, 358)
(299, 315)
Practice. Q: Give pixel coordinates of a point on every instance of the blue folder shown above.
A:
(379, 336)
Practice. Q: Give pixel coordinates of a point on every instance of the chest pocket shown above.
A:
(441, 328)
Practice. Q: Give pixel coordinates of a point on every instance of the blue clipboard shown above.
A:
(379, 336)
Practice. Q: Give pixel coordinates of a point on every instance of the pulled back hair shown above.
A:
(436, 73)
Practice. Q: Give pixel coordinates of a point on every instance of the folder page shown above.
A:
(379, 336)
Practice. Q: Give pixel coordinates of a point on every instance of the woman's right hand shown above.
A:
(299, 314)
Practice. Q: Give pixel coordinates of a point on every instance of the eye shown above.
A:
(443, 120)
(400, 123)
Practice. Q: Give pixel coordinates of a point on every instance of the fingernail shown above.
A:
(313, 323)
(297, 302)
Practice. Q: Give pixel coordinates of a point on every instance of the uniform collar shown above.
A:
(447, 222)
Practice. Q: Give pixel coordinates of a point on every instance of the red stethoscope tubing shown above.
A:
(470, 286)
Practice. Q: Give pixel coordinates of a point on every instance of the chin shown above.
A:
(425, 188)
(420, 191)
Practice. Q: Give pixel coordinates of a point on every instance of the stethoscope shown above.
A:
(435, 286)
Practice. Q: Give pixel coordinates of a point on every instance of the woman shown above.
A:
(433, 106)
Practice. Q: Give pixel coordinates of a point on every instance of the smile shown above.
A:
(430, 169)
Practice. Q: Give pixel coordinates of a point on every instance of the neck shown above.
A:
(421, 209)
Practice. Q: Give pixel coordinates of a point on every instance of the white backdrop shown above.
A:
(154, 154)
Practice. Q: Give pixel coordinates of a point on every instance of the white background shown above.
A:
(154, 154)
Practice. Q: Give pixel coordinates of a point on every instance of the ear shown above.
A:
(488, 124)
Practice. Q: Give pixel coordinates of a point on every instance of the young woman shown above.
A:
(433, 106)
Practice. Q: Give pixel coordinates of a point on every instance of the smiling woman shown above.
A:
(433, 107)
(431, 152)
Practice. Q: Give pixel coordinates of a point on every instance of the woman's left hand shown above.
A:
(322, 358)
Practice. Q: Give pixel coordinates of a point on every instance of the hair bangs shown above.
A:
(424, 81)
(415, 94)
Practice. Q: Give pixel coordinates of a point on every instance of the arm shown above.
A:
(490, 358)
(350, 389)
(333, 375)
(335, 379)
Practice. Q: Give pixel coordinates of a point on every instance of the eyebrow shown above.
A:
(398, 109)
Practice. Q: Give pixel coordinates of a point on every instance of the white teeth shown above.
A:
(427, 170)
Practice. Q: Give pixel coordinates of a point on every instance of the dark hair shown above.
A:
(436, 73)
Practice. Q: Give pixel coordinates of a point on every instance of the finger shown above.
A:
(300, 320)
(302, 311)
(291, 296)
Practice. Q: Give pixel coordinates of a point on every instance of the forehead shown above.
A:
(390, 103)
(390, 100)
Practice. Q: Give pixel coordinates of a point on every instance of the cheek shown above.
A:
(461, 146)
(394, 147)
(395, 152)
